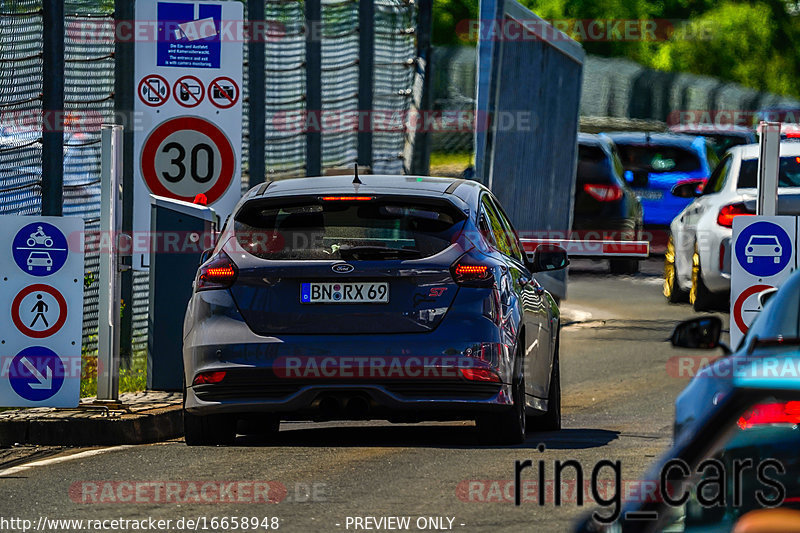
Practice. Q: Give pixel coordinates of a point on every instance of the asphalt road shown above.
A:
(618, 392)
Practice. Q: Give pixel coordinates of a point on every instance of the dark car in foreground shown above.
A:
(737, 470)
(656, 162)
(605, 207)
(400, 298)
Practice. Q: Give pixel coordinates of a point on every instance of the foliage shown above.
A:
(754, 43)
(130, 380)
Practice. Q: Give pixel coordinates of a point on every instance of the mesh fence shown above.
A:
(89, 102)
(395, 53)
(20, 105)
(285, 76)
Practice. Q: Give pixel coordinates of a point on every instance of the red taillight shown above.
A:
(347, 198)
(204, 378)
(603, 193)
(219, 273)
(771, 413)
(468, 272)
(480, 374)
(698, 184)
(729, 212)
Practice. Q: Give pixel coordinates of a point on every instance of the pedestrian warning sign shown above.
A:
(41, 294)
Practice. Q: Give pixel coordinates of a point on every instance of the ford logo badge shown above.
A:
(342, 268)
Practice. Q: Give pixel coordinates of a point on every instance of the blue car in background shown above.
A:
(655, 163)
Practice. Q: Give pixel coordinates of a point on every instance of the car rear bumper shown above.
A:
(295, 374)
(400, 400)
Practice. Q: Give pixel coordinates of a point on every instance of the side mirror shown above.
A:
(206, 255)
(687, 189)
(699, 333)
(765, 296)
(548, 257)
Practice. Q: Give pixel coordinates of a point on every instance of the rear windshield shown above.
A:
(593, 165)
(371, 229)
(658, 158)
(721, 142)
(788, 173)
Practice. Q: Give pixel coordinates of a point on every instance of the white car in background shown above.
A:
(697, 265)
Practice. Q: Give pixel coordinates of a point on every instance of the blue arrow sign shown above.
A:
(36, 373)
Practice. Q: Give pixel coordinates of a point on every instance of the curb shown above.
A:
(164, 424)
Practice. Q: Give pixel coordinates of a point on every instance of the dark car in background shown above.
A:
(404, 298)
(605, 207)
(655, 163)
(722, 137)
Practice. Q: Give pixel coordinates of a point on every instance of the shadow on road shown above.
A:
(422, 436)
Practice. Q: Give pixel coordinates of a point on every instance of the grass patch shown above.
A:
(130, 380)
(449, 163)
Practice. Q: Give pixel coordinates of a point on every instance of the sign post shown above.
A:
(768, 163)
(764, 256)
(110, 297)
(41, 294)
(189, 97)
(763, 246)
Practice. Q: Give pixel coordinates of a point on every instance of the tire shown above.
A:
(207, 430)
(701, 298)
(672, 291)
(623, 266)
(509, 426)
(551, 420)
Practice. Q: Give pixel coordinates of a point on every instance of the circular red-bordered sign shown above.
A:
(737, 307)
(171, 130)
(150, 90)
(219, 92)
(57, 325)
(189, 91)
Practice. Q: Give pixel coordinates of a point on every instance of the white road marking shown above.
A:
(60, 459)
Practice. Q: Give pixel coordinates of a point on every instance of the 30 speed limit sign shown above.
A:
(187, 156)
(188, 139)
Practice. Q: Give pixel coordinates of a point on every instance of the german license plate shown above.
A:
(649, 194)
(344, 293)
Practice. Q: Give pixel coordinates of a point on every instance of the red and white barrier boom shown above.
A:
(593, 248)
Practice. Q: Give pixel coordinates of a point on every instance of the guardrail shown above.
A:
(594, 249)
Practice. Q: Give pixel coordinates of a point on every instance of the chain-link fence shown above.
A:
(89, 76)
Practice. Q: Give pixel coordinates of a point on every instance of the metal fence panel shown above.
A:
(530, 148)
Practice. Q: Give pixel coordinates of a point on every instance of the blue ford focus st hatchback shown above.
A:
(399, 298)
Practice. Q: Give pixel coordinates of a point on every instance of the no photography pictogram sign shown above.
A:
(223, 92)
(187, 156)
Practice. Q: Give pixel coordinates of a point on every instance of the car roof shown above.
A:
(663, 139)
(711, 129)
(751, 151)
(467, 190)
(592, 139)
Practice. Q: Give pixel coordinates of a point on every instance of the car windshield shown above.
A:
(658, 158)
(347, 229)
(788, 173)
(764, 240)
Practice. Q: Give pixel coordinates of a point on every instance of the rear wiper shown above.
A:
(359, 252)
